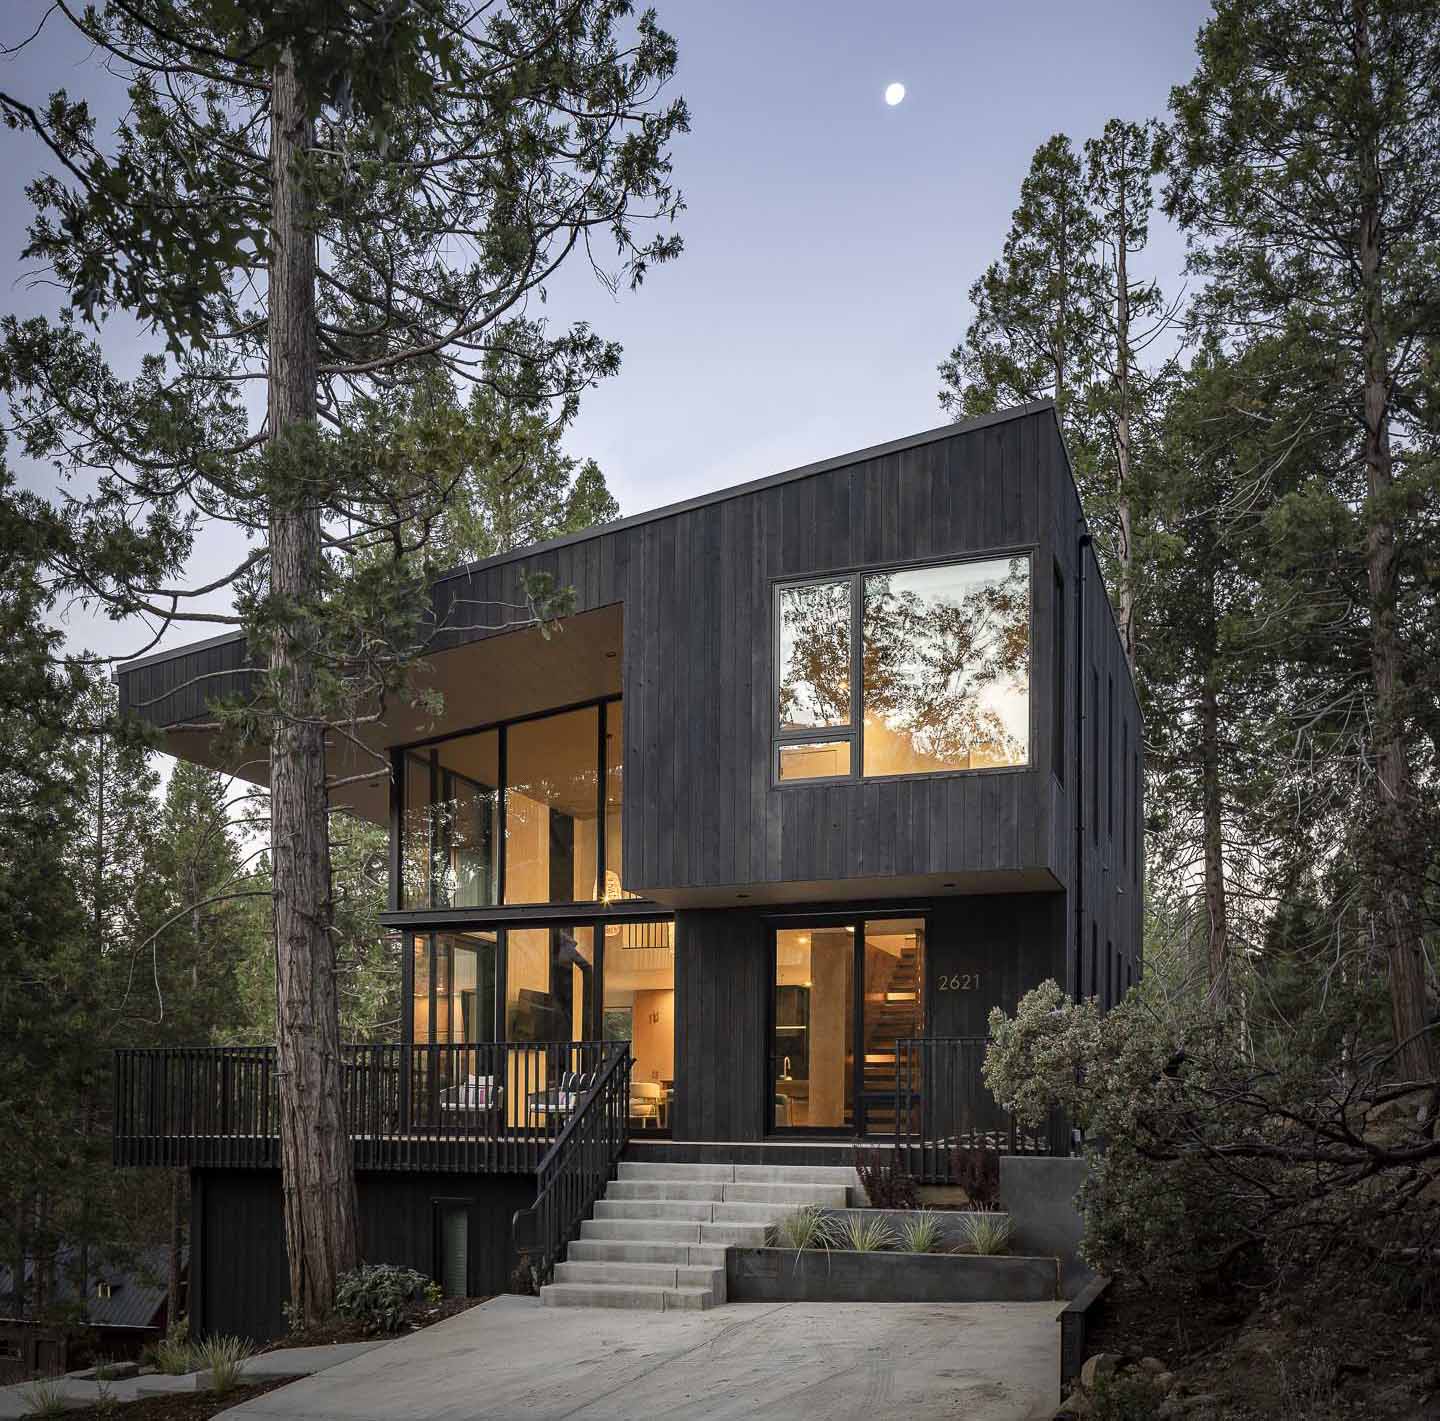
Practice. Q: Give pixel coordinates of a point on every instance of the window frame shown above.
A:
(854, 732)
(399, 757)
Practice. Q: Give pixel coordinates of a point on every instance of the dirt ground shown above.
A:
(1280, 1356)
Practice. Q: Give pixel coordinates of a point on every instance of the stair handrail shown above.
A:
(574, 1172)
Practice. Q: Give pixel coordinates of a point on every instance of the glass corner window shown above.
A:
(546, 829)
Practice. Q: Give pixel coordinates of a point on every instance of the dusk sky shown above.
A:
(830, 240)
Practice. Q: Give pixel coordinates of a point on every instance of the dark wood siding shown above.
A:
(239, 1278)
(696, 584)
(722, 965)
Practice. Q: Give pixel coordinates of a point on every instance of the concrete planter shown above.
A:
(781, 1275)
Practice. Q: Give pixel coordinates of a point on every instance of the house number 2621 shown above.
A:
(959, 981)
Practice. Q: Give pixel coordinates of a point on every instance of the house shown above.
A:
(118, 1309)
(821, 768)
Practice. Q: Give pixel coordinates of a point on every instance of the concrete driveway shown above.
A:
(783, 1361)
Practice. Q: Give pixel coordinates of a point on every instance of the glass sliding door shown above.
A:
(843, 995)
(639, 1007)
(893, 1011)
(812, 1049)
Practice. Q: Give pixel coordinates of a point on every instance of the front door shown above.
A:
(844, 992)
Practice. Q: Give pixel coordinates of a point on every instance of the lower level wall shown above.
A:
(239, 1277)
(981, 951)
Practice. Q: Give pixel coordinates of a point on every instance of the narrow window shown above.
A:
(1125, 788)
(1110, 758)
(1094, 961)
(1095, 754)
(1139, 822)
(1057, 676)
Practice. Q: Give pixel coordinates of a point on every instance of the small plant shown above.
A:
(44, 1398)
(173, 1356)
(862, 1235)
(805, 1227)
(224, 1358)
(106, 1402)
(922, 1234)
(380, 1296)
(887, 1185)
(986, 1234)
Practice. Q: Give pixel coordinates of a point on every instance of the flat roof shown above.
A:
(669, 510)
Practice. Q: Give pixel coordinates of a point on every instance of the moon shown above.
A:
(894, 93)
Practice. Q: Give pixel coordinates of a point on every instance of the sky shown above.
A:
(830, 240)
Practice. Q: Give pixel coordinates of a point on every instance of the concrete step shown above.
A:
(648, 1230)
(629, 1250)
(684, 1211)
(625, 1295)
(641, 1172)
(657, 1275)
(740, 1235)
(681, 1173)
(795, 1174)
(712, 1189)
(789, 1196)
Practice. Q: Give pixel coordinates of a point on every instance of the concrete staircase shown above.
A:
(658, 1238)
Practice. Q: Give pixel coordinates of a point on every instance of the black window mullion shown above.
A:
(857, 667)
(502, 812)
(600, 825)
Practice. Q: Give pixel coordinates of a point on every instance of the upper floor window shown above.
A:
(908, 671)
(527, 812)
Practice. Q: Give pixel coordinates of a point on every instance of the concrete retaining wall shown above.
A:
(1038, 1192)
(783, 1275)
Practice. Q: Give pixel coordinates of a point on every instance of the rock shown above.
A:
(1102, 1364)
(1164, 1382)
(1153, 1365)
(1077, 1404)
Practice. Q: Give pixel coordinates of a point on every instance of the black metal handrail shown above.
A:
(576, 1170)
(943, 1105)
(475, 1107)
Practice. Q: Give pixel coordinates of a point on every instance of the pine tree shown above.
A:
(1034, 326)
(1119, 168)
(319, 200)
(1308, 171)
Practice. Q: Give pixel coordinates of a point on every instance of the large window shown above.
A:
(454, 987)
(527, 812)
(941, 659)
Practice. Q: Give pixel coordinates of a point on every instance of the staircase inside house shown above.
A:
(892, 1012)
(657, 1239)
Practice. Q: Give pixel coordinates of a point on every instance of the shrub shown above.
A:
(44, 1398)
(977, 1172)
(986, 1233)
(922, 1234)
(223, 1358)
(172, 1353)
(380, 1296)
(862, 1235)
(805, 1227)
(886, 1184)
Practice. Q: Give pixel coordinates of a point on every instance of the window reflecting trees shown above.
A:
(942, 664)
(548, 838)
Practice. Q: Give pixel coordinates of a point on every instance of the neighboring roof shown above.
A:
(669, 510)
(138, 1291)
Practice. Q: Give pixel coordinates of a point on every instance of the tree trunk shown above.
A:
(1122, 427)
(317, 1167)
(1394, 850)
